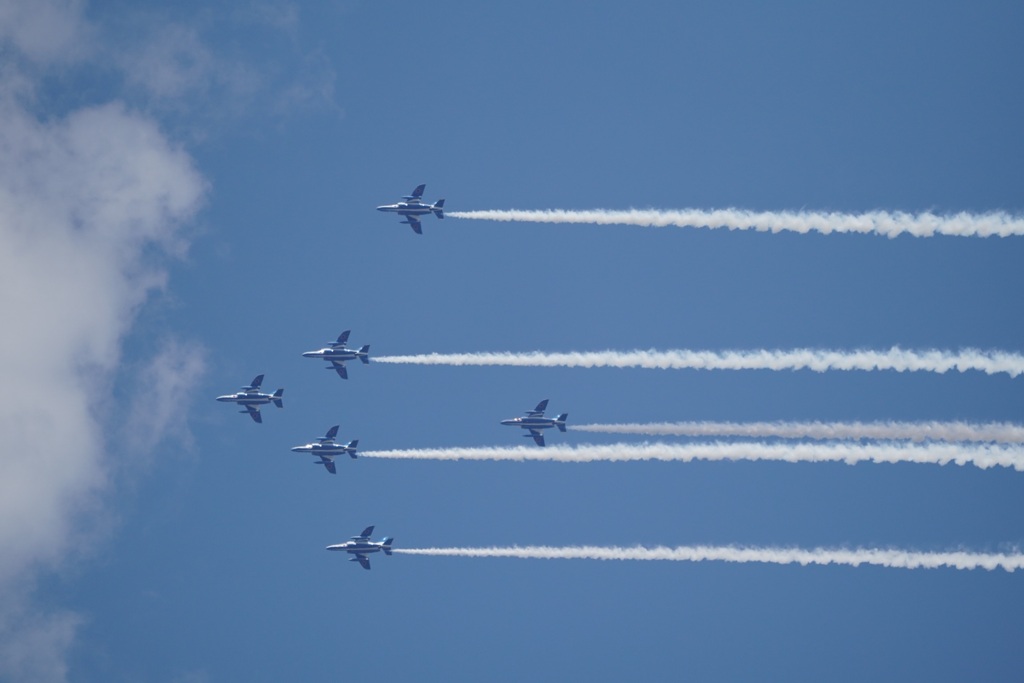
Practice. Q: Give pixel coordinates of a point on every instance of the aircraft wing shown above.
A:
(539, 410)
(415, 224)
(366, 533)
(342, 339)
(254, 413)
(418, 192)
(339, 367)
(538, 436)
(364, 561)
(329, 464)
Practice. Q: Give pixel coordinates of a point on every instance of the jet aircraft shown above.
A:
(361, 546)
(338, 352)
(535, 422)
(326, 448)
(412, 207)
(251, 398)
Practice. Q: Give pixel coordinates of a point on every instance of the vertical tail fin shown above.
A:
(364, 353)
(386, 545)
(277, 398)
(438, 208)
(560, 421)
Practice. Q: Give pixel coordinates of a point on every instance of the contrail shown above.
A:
(890, 225)
(995, 432)
(891, 557)
(818, 360)
(982, 456)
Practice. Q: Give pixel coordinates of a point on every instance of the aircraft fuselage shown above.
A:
(330, 354)
(408, 208)
(329, 449)
(247, 398)
(357, 547)
(531, 422)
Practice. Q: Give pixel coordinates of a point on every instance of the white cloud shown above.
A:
(87, 203)
(92, 200)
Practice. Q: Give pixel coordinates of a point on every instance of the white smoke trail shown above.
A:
(997, 432)
(982, 456)
(818, 360)
(854, 557)
(890, 225)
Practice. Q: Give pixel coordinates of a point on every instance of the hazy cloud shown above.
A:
(44, 30)
(161, 395)
(174, 66)
(32, 644)
(173, 62)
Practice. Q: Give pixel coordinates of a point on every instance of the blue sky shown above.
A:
(187, 200)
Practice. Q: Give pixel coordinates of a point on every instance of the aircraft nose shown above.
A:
(381, 208)
(309, 354)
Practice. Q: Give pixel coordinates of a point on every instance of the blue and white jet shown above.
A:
(338, 352)
(535, 422)
(361, 546)
(412, 206)
(326, 448)
(251, 398)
